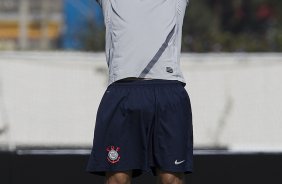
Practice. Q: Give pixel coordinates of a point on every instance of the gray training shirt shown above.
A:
(143, 38)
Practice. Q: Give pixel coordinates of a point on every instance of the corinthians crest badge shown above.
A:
(113, 156)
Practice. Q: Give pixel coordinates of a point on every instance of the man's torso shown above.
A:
(143, 38)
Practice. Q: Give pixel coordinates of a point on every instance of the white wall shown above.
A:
(51, 98)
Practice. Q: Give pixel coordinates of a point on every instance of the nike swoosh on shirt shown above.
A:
(180, 162)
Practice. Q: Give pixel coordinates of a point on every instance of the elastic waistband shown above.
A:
(147, 82)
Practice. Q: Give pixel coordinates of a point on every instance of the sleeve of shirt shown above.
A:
(99, 2)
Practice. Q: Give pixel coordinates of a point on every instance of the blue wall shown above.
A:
(76, 15)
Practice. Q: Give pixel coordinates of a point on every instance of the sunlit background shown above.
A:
(210, 25)
(53, 73)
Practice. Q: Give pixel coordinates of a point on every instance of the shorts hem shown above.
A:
(102, 172)
(137, 172)
(187, 170)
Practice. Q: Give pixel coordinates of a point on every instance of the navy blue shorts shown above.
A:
(142, 125)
